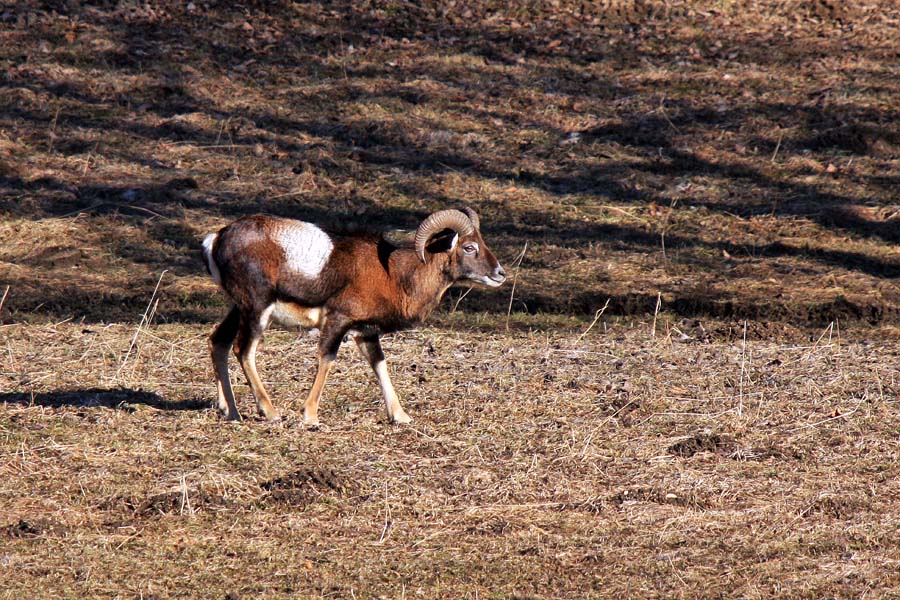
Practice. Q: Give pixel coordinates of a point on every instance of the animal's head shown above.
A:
(457, 233)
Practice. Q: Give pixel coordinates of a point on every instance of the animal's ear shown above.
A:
(399, 237)
(443, 242)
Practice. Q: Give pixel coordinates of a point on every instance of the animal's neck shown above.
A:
(423, 285)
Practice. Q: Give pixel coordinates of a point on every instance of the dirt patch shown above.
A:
(858, 138)
(836, 506)
(182, 502)
(702, 442)
(767, 452)
(830, 10)
(654, 495)
(620, 401)
(32, 528)
(493, 526)
(303, 487)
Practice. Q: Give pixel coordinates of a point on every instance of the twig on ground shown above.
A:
(512, 292)
(740, 409)
(51, 135)
(777, 147)
(665, 228)
(590, 437)
(656, 313)
(221, 131)
(141, 208)
(829, 419)
(626, 213)
(3, 299)
(296, 192)
(814, 347)
(145, 318)
(460, 299)
(81, 210)
(388, 522)
(185, 499)
(594, 322)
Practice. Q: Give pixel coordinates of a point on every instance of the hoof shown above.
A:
(234, 417)
(311, 423)
(269, 413)
(400, 418)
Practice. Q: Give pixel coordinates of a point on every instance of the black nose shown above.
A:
(500, 271)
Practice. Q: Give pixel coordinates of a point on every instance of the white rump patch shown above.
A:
(208, 243)
(306, 247)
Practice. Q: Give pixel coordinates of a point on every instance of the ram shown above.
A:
(361, 284)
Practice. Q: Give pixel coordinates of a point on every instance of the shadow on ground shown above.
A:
(380, 112)
(117, 398)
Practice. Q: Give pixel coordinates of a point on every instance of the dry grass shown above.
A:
(536, 465)
(719, 178)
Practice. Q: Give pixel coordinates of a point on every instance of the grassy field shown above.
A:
(690, 391)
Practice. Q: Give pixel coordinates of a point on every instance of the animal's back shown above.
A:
(269, 255)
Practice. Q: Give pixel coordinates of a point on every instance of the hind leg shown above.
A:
(249, 335)
(220, 342)
(330, 339)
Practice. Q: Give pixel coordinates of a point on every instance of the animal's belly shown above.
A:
(294, 315)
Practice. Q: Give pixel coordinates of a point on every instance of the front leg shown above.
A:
(370, 347)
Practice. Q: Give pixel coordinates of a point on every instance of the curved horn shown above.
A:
(442, 219)
(473, 216)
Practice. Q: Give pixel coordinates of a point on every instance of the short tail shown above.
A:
(209, 243)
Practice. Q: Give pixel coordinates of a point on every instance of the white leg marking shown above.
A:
(391, 400)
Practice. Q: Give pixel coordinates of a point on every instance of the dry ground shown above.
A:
(721, 176)
(538, 465)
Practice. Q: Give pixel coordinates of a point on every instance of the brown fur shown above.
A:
(368, 287)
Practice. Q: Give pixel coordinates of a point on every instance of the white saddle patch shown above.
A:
(306, 247)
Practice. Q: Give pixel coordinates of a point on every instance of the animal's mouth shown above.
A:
(493, 281)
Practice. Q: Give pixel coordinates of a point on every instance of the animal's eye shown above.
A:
(470, 248)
